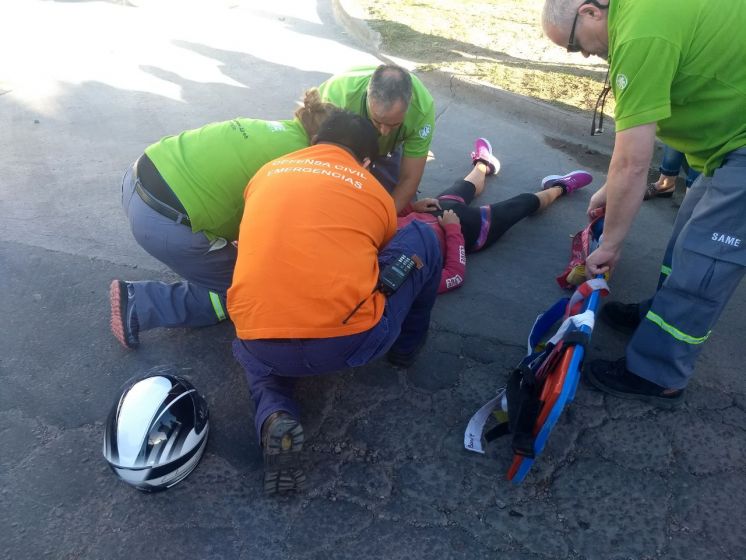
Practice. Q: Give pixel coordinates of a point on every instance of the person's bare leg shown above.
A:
(477, 176)
(548, 196)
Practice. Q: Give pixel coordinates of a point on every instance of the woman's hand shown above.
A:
(448, 217)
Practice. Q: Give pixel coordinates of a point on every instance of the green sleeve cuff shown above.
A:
(646, 117)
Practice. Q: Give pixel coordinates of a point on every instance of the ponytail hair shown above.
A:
(313, 112)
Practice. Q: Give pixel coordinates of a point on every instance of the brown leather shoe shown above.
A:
(653, 192)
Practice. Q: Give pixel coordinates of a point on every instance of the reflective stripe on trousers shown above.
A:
(198, 300)
(706, 256)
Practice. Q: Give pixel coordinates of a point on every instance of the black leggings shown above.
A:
(482, 226)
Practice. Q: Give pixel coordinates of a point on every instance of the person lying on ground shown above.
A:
(462, 229)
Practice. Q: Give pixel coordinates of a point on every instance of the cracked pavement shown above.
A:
(388, 475)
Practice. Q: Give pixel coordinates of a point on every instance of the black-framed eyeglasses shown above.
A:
(597, 127)
(572, 46)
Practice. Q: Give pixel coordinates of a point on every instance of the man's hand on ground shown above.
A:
(426, 205)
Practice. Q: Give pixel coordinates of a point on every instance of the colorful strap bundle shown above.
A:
(582, 245)
(545, 380)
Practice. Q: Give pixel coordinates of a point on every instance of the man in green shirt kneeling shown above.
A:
(402, 111)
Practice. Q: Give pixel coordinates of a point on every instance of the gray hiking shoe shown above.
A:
(282, 441)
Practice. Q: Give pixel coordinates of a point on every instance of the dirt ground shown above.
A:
(498, 42)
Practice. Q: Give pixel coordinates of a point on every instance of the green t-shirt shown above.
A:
(349, 91)
(208, 168)
(682, 65)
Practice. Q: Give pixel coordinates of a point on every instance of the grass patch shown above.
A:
(497, 42)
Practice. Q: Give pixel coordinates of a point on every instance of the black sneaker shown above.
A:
(282, 441)
(405, 359)
(624, 317)
(124, 324)
(615, 379)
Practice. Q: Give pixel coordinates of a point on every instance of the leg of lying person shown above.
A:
(501, 216)
(464, 190)
(484, 225)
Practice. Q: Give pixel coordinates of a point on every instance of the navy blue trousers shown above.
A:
(273, 365)
(386, 169)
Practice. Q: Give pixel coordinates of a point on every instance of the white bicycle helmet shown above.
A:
(157, 430)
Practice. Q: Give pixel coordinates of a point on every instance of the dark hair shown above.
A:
(350, 131)
(389, 85)
(313, 111)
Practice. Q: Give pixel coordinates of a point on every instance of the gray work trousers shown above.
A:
(705, 262)
(199, 300)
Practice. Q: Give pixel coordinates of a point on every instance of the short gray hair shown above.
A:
(559, 13)
(389, 85)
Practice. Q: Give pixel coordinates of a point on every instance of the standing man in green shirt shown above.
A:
(402, 110)
(678, 71)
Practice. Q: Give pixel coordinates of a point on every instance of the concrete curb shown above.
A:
(350, 16)
(557, 122)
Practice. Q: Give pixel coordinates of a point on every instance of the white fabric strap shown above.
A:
(586, 318)
(594, 284)
(475, 428)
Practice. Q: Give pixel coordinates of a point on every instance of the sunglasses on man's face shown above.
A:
(572, 45)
